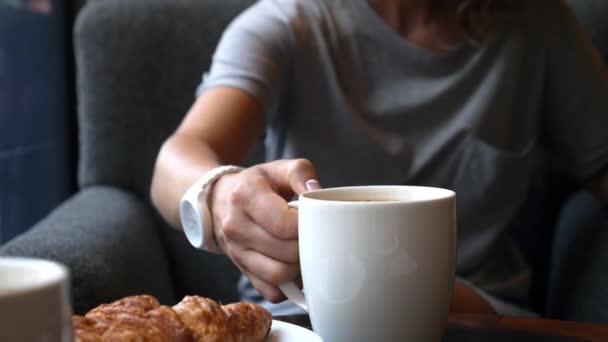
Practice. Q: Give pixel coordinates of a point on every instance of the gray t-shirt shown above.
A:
(366, 106)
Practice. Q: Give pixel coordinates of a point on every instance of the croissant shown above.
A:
(194, 319)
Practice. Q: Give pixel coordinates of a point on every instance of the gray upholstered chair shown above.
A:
(138, 63)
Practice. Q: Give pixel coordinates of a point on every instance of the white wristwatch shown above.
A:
(194, 212)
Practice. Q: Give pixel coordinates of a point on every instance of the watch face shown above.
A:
(190, 224)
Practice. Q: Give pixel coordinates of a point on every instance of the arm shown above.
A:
(221, 128)
(251, 219)
(244, 81)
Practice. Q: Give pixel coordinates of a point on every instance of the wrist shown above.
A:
(195, 213)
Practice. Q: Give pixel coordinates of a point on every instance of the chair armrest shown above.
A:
(110, 241)
(578, 282)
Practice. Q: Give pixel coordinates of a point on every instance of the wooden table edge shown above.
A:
(586, 331)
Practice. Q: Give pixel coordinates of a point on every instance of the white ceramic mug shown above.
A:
(378, 262)
(34, 301)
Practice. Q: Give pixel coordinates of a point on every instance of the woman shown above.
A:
(456, 94)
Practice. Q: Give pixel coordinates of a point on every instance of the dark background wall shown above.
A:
(38, 143)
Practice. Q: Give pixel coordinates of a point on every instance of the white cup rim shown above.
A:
(51, 274)
(426, 194)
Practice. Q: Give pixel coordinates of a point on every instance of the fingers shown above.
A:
(254, 224)
(254, 198)
(291, 176)
(271, 211)
(270, 292)
(312, 184)
(248, 235)
(267, 272)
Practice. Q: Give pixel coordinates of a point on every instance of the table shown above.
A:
(474, 327)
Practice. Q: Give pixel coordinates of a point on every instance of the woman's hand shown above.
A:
(254, 225)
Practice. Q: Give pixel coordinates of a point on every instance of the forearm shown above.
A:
(181, 162)
(221, 128)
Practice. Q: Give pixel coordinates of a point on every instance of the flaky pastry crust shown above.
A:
(194, 319)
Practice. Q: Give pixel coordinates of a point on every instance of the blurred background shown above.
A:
(38, 141)
(38, 129)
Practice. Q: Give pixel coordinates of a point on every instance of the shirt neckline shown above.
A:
(377, 25)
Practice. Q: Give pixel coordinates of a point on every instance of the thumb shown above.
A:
(292, 176)
(312, 184)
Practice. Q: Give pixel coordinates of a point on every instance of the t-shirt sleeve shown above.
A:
(253, 54)
(575, 116)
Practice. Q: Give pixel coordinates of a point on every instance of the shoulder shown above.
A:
(284, 20)
(294, 12)
(286, 10)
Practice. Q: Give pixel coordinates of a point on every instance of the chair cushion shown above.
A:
(138, 65)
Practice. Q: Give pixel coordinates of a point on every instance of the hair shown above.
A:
(477, 18)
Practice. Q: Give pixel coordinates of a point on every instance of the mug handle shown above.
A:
(290, 289)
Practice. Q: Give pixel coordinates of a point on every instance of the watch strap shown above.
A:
(196, 218)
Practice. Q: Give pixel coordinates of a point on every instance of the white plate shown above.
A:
(286, 332)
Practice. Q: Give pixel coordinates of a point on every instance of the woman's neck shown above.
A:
(420, 23)
(403, 15)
